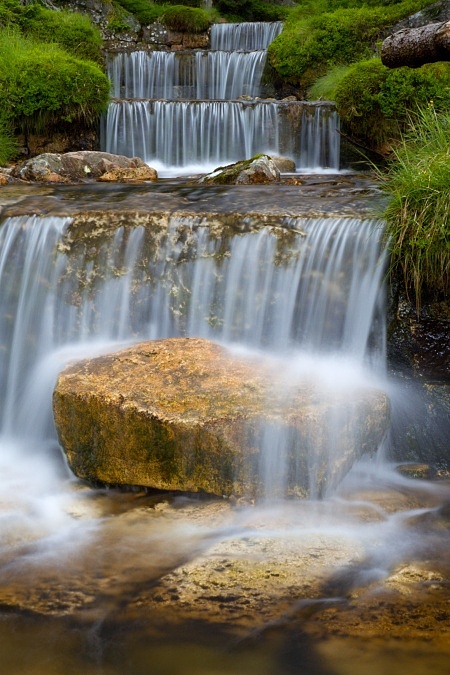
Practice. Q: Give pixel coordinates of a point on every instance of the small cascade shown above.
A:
(195, 75)
(180, 111)
(212, 133)
(245, 36)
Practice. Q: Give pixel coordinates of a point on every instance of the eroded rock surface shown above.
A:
(72, 167)
(186, 414)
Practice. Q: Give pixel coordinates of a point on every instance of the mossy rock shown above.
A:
(257, 170)
(186, 414)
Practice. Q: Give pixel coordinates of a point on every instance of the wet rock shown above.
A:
(416, 471)
(418, 343)
(186, 414)
(259, 169)
(284, 164)
(131, 175)
(74, 166)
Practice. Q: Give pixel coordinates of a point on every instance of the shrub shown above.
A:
(418, 214)
(373, 101)
(186, 19)
(42, 83)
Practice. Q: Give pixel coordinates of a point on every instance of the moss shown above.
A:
(373, 101)
(186, 19)
(144, 11)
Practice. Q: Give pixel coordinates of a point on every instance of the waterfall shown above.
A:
(186, 75)
(209, 134)
(180, 111)
(315, 288)
(245, 36)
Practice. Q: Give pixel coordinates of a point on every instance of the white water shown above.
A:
(246, 36)
(179, 110)
(209, 134)
(186, 75)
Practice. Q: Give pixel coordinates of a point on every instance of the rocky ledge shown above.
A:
(186, 414)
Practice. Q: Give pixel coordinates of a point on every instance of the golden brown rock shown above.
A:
(186, 414)
(131, 175)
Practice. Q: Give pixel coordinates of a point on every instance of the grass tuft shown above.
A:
(418, 213)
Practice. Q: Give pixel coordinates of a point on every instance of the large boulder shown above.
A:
(187, 414)
(79, 166)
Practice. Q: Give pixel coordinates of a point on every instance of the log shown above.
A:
(414, 47)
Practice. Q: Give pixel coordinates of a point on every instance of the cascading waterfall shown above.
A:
(179, 110)
(311, 288)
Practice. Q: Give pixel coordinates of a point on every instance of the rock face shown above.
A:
(186, 414)
(77, 166)
(259, 169)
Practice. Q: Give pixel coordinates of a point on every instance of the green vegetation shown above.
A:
(45, 82)
(250, 10)
(42, 82)
(418, 214)
(72, 31)
(326, 33)
(373, 101)
(186, 19)
(144, 11)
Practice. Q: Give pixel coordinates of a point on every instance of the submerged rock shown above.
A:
(186, 414)
(259, 169)
(77, 166)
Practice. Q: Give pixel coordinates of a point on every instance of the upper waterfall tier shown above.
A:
(244, 36)
(196, 75)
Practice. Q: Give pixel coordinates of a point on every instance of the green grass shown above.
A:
(418, 213)
(72, 31)
(325, 87)
(42, 83)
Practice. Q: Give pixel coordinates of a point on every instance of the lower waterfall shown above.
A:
(314, 285)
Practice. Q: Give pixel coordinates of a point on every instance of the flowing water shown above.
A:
(105, 582)
(191, 111)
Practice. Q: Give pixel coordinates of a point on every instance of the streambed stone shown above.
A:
(187, 414)
(79, 166)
